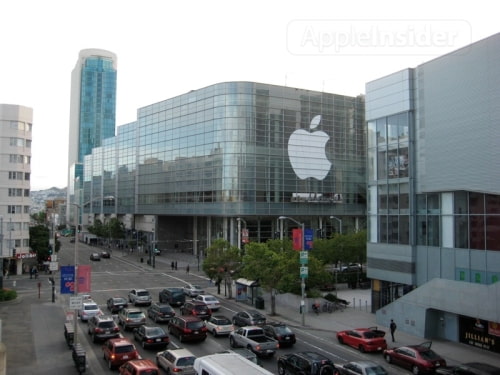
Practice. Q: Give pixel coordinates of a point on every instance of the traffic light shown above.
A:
(50, 249)
(13, 252)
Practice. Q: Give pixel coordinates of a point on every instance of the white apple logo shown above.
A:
(306, 151)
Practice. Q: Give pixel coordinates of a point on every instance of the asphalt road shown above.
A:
(124, 271)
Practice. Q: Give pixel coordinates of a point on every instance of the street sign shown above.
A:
(304, 271)
(53, 257)
(54, 266)
(304, 256)
(76, 303)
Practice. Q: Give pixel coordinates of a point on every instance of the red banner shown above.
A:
(84, 279)
(297, 238)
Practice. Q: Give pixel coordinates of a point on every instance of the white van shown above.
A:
(227, 364)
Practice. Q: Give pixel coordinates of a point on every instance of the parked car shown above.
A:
(160, 312)
(89, 309)
(173, 296)
(193, 290)
(471, 368)
(131, 318)
(417, 358)
(281, 333)
(118, 351)
(187, 328)
(361, 368)
(95, 256)
(139, 297)
(115, 304)
(249, 318)
(364, 339)
(219, 325)
(196, 308)
(212, 302)
(150, 336)
(139, 367)
(176, 361)
(105, 254)
(306, 363)
(103, 327)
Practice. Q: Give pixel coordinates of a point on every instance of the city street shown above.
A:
(124, 271)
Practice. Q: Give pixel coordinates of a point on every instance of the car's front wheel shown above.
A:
(232, 344)
(415, 370)
(281, 369)
(388, 358)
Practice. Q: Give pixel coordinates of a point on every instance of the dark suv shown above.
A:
(160, 312)
(306, 363)
(103, 327)
(196, 308)
(187, 328)
(173, 296)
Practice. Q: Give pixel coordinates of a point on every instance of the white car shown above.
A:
(219, 325)
(212, 302)
(90, 309)
(140, 297)
(193, 290)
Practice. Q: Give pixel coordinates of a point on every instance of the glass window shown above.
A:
(493, 232)
(433, 204)
(421, 230)
(382, 165)
(460, 203)
(477, 232)
(381, 131)
(404, 229)
(433, 236)
(461, 232)
(492, 204)
(476, 203)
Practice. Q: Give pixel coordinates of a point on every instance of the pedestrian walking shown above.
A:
(172, 265)
(393, 327)
(175, 264)
(187, 268)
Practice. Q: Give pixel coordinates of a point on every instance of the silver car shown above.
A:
(175, 361)
(219, 325)
(140, 297)
(131, 318)
(193, 290)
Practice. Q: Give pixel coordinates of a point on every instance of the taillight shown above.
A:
(176, 369)
(98, 330)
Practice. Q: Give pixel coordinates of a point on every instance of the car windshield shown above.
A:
(256, 315)
(376, 370)
(429, 355)
(90, 307)
(195, 287)
(143, 293)
(124, 349)
(282, 330)
(136, 314)
(210, 299)
(223, 321)
(165, 309)
(195, 325)
(186, 361)
(118, 301)
(155, 331)
(108, 324)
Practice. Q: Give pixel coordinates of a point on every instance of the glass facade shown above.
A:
(225, 151)
(388, 166)
(97, 103)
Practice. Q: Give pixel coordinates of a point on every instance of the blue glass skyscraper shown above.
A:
(92, 112)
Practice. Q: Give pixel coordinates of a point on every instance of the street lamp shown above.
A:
(302, 279)
(340, 222)
(75, 280)
(239, 220)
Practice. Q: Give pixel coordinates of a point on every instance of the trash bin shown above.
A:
(259, 303)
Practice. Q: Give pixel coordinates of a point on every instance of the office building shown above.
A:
(226, 161)
(434, 196)
(16, 124)
(92, 114)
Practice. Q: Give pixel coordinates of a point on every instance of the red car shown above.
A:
(364, 339)
(419, 359)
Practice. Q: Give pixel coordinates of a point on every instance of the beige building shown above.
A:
(15, 174)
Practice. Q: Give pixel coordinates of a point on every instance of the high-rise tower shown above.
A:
(92, 113)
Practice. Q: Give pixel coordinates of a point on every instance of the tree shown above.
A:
(116, 228)
(39, 217)
(221, 263)
(267, 263)
(39, 241)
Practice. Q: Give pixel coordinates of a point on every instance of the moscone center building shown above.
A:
(226, 161)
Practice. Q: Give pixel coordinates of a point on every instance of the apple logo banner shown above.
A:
(306, 151)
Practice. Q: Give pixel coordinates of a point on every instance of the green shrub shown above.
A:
(7, 294)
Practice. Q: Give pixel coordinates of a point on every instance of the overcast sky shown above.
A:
(167, 48)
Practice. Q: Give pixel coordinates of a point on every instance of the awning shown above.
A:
(247, 282)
